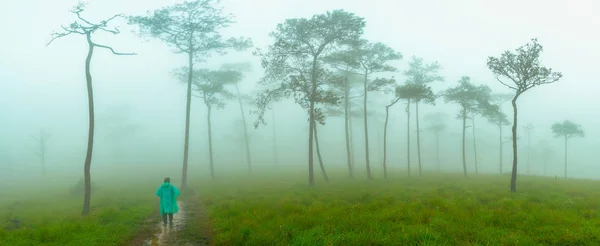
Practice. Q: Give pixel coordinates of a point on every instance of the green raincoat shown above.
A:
(168, 198)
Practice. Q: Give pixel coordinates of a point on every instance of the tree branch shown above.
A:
(56, 35)
(502, 82)
(112, 50)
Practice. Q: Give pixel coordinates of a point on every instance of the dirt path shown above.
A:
(165, 233)
(190, 225)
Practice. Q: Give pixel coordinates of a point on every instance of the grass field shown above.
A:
(50, 216)
(430, 210)
(279, 209)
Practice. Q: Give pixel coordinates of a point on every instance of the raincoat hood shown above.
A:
(166, 184)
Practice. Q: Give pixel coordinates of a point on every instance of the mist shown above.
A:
(140, 104)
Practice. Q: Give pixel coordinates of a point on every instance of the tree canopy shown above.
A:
(567, 129)
(294, 64)
(522, 68)
(469, 96)
(191, 27)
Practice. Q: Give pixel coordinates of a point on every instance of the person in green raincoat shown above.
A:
(168, 194)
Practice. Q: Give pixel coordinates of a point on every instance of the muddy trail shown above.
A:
(167, 234)
(189, 228)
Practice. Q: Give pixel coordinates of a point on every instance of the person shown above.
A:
(168, 194)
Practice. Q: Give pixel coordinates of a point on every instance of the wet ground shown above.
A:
(165, 233)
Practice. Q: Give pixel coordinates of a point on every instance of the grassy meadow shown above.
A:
(49, 215)
(435, 209)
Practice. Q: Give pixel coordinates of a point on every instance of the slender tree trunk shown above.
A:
(90, 144)
(210, 147)
(275, 154)
(246, 142)
(475, 145)
(346, 126)
(319, 155)
(311, 128)
(437, 151)
(387, 109)
(464, 128)
(385, 124)
(188, 106)
(351, 132)
(418, 137)
(513, 178)
(501, 148)
(366, 129)
(408, 135)
(566, 138)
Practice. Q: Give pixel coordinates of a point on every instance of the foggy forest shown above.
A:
(299, 122)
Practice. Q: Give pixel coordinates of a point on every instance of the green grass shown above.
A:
(54, 217)
(432, 210)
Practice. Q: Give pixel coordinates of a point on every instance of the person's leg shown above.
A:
(171, 217)
(164, 218)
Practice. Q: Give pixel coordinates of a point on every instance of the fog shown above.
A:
(44, 87)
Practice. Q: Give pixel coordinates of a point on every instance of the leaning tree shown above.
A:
(87, 28)
(242, 99)
(567, 130)
(524, 70)
(385, 124)
(470, 98)
(191, 28)
(294, 67)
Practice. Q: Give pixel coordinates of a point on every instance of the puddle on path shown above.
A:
(165, 232)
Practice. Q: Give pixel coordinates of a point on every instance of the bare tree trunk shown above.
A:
(366, 129)
(188, 106)
(385, 124)
(418, 138)
(408, 136)
(90, 145)
(246, 142)
(275, 155)
(319, 155)
(311, 119)
(346, 124)
(475, 145)
(351, 132)
(210, 147)
(464, 128)
(513, 177)
(566, 156)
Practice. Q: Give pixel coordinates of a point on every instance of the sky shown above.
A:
(44, 86)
